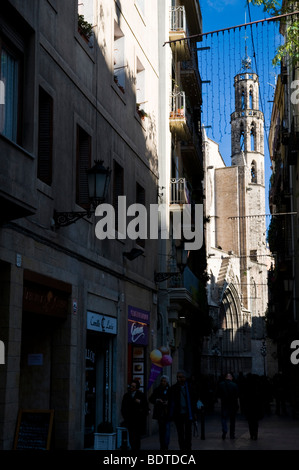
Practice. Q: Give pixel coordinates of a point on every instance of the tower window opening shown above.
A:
(250, 99)
(252, 138)
(243, 99)
(253, 172)
(242, 137)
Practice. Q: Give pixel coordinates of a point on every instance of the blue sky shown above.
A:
(218, 98)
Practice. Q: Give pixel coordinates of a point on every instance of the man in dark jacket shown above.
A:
(134, 409)
(228, 394)
(182, 410)
(159, 399)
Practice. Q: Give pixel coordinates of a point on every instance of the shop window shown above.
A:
(119, 58)
(45, 137)
(11, 80)
(83, 164)
(98, 385)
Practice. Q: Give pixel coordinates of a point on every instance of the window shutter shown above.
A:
(118, 188)
(140, 199)
(45, 137)
(83, 164)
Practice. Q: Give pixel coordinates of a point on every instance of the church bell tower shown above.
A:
(247, 137)
(247, 124)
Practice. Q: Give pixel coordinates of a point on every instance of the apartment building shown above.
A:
(79, 92)
(180, 282)
(282, 317)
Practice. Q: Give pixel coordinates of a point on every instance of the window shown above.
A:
(253, 255)
(83, 164)
(10, 76)
(253, 172)
(119, 58)
(140, 199)
(118, 188)
(140, 4)
(140, 87)
(251, 98)
(242, 137)
(45, 137)
(85, 20)
(243, 99)
(252, 138)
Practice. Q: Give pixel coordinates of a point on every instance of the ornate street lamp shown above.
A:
(181, 261)
(98, 178)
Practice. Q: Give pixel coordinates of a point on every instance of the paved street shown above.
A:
(275, 433)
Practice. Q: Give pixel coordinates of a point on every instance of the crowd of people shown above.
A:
(186, 402)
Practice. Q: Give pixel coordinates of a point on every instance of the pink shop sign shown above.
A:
(137, 333)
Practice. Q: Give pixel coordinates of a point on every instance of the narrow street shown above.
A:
(275, 433)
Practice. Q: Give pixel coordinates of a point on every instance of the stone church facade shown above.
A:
(235, 238)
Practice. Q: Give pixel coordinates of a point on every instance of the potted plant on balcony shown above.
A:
(180, 111)
(84, 28)
(141, 111)
(105, 437)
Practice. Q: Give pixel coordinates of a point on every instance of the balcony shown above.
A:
(17, 182)
(194, 17)
(179, 192)
(178, 117)
(191, 151)
(182, 294)
(191, 80)
(178, 32)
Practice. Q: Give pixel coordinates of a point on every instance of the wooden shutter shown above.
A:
(140, 199)
(118, 188)
(45, 137)
(83, 164)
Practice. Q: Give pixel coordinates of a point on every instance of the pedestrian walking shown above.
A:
(135, 409)
(279, 388)
(182, 410)
(228, 394)
(160, 400)
(253, 403)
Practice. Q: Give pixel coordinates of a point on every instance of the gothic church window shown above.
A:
(242, 137)
(243, 99)
(253, 172)
(251, 98)
(252, 138)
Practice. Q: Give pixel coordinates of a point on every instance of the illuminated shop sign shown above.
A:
(101, 323)
(138, 324)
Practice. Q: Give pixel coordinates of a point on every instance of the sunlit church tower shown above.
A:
(249, 227)
(236, 234)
